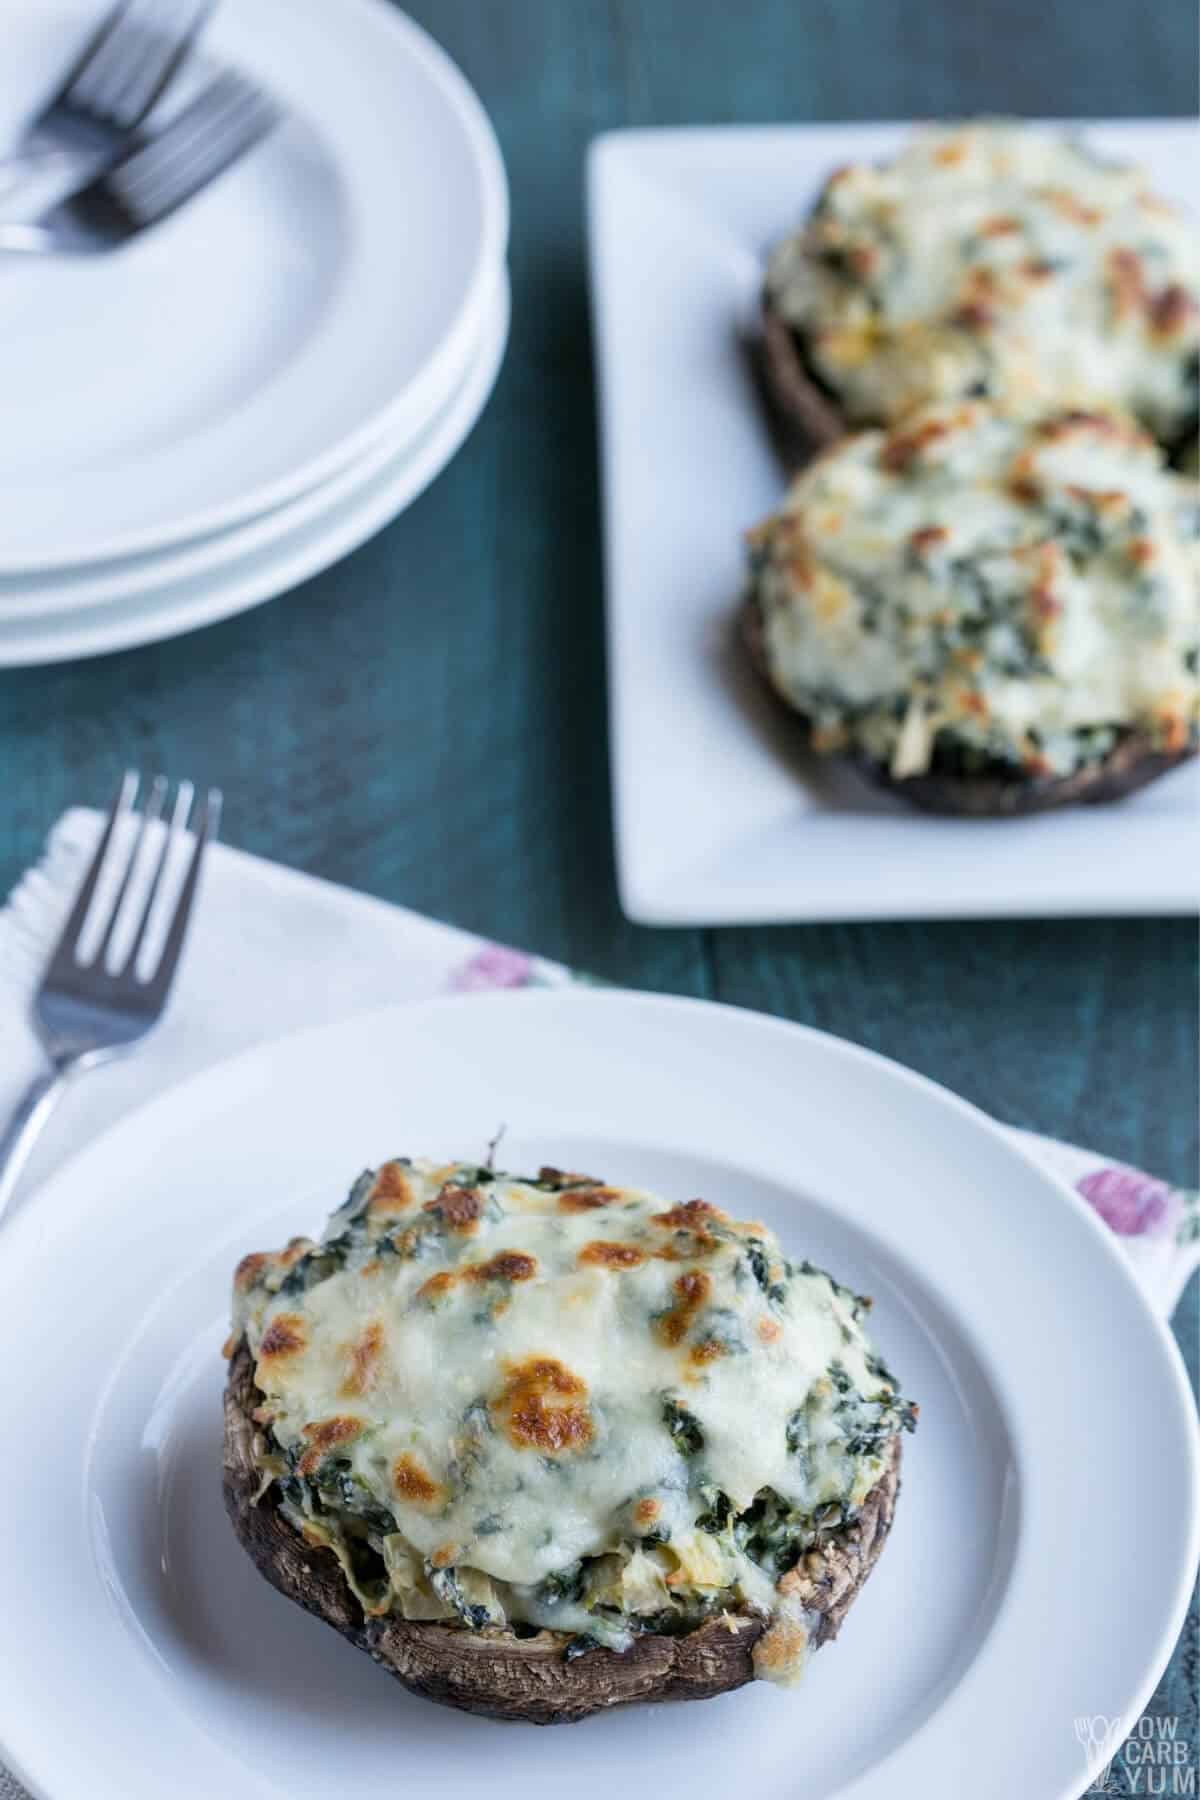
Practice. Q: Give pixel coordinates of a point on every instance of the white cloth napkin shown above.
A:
(272, 951)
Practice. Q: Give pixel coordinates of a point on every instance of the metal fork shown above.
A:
(106, 95)
(146, 186)
(84, 1014)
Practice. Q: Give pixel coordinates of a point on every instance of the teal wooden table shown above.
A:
(426, 721)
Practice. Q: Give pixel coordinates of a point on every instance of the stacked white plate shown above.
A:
(207, 417)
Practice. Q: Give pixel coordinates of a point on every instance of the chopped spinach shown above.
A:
(683, 1426)
(567, 1584)
(447, 1587)
(718, 1510)
(760, 1268)
(472, 1175)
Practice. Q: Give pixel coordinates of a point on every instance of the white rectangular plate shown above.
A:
(719, 820)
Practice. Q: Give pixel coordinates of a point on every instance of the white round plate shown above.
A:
(63, 593)
(1045, 1539)
(323, 293)
(328, 525)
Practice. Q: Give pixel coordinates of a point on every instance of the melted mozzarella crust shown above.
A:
(996, 260)
(524, 1374)
(1025, 590)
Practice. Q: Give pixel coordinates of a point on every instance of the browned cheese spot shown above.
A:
(323, 1436)
(801, 568)
(903, 447)
(1172, 718)
(1171, 310)
(437, 1286)
(250, 1268)
(414, 1483)
(1070, 207)
(459, 1207)
(1079, 423)
(603, 1255)
(543, 1406)
(578, 1200)
(285, 1336)
(691, 1215)
(1043, 595)
(646, 1512)
(392, 1192)
(1102, 500)
(1127, 280)
(1000, 225)
(564, 1178)
(506, 1265)
(692, 1290)
(363, 1356)
(976, 309)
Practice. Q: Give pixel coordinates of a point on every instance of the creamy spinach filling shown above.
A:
(978, 590)
(996, 261)
(544, 1403)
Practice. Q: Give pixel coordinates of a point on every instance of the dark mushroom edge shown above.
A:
(991, 791)
(537, 1679)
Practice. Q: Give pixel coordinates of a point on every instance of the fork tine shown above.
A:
(190, 126)
(192, 150)
(179, 814)
(208, 827)
(91, 49)
(150, 812)
(64, 953)
(147, 78)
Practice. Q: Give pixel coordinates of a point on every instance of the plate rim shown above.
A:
(20, 1237)
(708, 884)
(427, 389)
(110, 627)
(47, 603)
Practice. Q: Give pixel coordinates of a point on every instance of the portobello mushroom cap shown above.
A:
(987, 611)
(793, 389)
(987, 793)
(495, 1672)
(985, 260)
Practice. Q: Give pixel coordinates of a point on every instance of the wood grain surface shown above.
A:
(426, 721)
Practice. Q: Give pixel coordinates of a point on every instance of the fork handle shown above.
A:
(20, 1134)
(33, 182)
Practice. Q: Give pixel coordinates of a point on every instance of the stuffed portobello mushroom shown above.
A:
(987, 260)
(543, 1446)
(988, 613)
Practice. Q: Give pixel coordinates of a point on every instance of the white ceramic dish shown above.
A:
(988, 1627)
(280, 551)
(323, 294)
(719, 820)
(60, 594)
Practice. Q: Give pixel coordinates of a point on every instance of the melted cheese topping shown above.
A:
(996, 260)
(562, 1403)
(976, 584)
